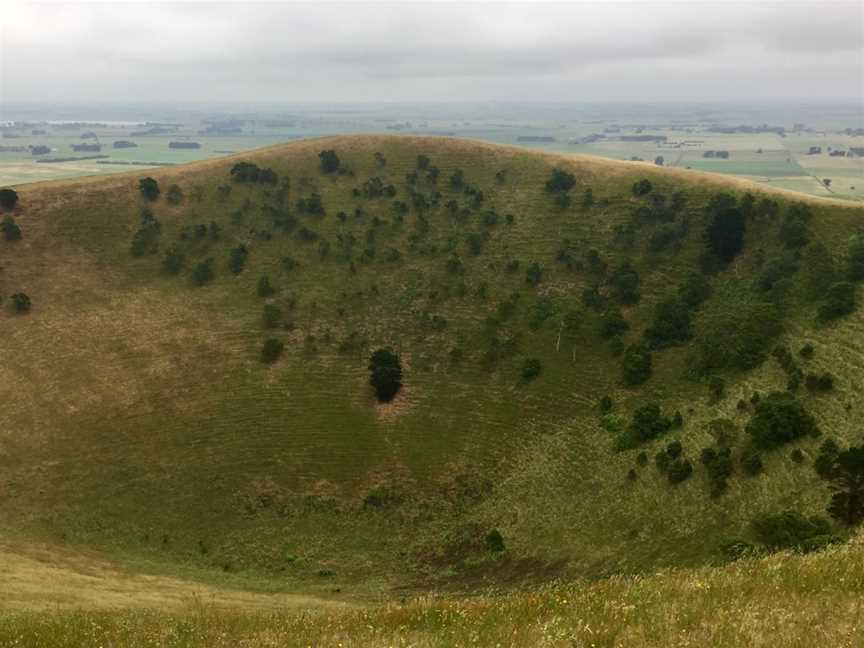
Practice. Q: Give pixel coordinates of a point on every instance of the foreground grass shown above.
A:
(780, 600)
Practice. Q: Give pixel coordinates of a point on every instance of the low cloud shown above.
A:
(266, 53)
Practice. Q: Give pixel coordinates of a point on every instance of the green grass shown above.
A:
(140, 421)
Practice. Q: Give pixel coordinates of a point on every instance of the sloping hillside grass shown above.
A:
(781, 600)
(140, 420)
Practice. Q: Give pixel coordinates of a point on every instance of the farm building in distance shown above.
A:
(121, 144)
(184, 145)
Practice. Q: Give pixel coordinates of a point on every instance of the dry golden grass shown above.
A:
(43, 577)
(784, 600)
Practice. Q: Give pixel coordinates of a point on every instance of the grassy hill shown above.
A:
(139, 419)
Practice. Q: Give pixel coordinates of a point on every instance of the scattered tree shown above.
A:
(385, 374)
(846, 476)
(149, 188)
(329, 161)
(637, 365)
(265, 288)
(237, 259)
(203, 272)
(21, 303)
(531, 369)
(8, 198)
(271, 350)
(11, 230)
(560, 181)
(778, 419)
(840, 300)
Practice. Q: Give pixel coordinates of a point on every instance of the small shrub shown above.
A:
(806, 351)
(237, 259)
(719, 465)
(828, 453)
(679, 470)
(531, 369)
(642, 188)
(271, 350)
(642, 459)
(674, 449)
(533, 274)
(636, 366)
(751, 462)
(840, 300)
(173, 262)
(613, 324)
(174, 195)
(560, 181)
(21, 303)
(797, 456)
(265, 288)
(606, 404)
(495, 541)
(203, 272)
(11, 230)
(716, 388)
(819, 382)
(271, 316)
(647, 424)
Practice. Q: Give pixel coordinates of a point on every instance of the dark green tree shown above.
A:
(149, 188)
(385, 374)
(531, 369)
(778, 419)
(237, 259)
(329, 161)
(846, 477)
(271, 350)
(495, 541)
(11, 230)
(271, 316)
(265, 288)
(642, 187)
(560, 181)
(636, 368)
(203, 272)
(173, 261)
(8, 198)
(840, 300)
(724, 235)
(21, 303)
(624, 283)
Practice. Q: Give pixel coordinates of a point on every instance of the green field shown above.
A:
(762, 156)
(141, 427)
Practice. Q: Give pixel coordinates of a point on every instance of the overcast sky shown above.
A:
(199, 53)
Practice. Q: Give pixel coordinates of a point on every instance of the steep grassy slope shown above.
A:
(139, 419)
(782, 600)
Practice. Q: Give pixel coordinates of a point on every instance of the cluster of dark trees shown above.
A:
(250, 172)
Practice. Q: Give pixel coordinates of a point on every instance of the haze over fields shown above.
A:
(432, 324)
